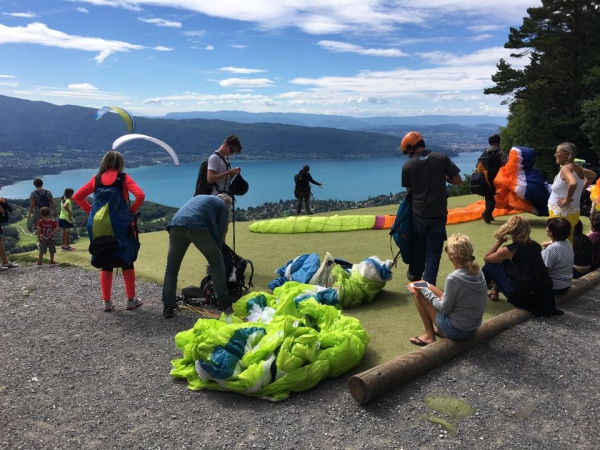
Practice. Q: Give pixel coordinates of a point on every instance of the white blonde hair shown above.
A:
(226, 198)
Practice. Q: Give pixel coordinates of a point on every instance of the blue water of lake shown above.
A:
(270, 181)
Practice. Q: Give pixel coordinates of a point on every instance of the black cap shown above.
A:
(307, 168)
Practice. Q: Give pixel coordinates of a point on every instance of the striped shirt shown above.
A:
(559, 258)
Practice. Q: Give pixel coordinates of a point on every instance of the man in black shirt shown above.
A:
(425, 174)
(302, 189)
(492, 159)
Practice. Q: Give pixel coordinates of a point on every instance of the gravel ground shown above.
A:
(74, 377)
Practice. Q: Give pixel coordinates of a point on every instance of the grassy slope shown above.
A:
(390, 320)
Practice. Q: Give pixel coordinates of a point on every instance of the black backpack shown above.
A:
(235, 271)
(203, 187)
(43, 197)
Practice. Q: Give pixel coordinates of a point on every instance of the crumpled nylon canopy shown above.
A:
(520, 186)
(354, 287)
(293, 348)
(315, 224)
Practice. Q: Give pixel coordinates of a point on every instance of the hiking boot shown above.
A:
(39, 264)
(169, 312)
(223, 305)
(2, 268)
(10, 265)
(108, 306)
(134, 303)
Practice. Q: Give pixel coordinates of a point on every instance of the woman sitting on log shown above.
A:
(517, 270)
(457, 311)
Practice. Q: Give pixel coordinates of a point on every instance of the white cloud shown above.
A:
(27, 15)
(9, 83)
(160, 48)
(341, 16)
(87, 94)
(125, 4)
(209, 47)
(239, 46)
(152, 101)
(83, 10)
(241, 70)
(82, 87)
(344, 47)
(481, 37)
(198, 33)
(39, 34)
(246, 83)
(161, 22)
(7, 76)
(456, 96)
(449, 72)
(483, 28)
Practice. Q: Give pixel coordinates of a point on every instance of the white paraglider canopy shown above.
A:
(130, 137)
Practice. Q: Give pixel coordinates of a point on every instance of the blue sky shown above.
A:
(350, 57)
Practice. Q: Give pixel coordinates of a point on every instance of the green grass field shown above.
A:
(390, 320)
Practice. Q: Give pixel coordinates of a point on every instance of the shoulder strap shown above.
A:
(118, 183)
(225, 160)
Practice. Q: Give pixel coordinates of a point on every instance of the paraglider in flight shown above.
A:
(130, 137)
(127, 118)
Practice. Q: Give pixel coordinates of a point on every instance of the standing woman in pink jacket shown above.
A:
(111, 174)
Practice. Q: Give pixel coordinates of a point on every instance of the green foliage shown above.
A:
(549, 97)
(591, 126)
(463, 189)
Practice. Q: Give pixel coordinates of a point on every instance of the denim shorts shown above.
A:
(449, 330)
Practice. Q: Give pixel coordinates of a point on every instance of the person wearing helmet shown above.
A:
(302, 189)
(492, 159)
(425, 175)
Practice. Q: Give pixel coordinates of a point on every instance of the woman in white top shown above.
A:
(568, 185)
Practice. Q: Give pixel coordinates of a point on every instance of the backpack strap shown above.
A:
(119, 183)
(226, 161)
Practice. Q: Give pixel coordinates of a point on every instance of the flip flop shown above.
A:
(419, 342)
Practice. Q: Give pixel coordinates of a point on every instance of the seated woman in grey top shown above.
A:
(457, 312)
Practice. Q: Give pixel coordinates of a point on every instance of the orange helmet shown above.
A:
(410, 140)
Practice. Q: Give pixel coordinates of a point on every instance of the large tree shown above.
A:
(561, 38)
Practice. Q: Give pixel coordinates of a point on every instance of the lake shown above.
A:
(270, 181)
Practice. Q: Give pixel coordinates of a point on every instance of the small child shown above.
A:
(558, 254)
(66, 219)
(47, 229)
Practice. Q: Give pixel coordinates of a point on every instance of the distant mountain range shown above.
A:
(40, 128)
(334, 121)
(34, 127)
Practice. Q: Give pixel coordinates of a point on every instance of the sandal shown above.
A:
(493, 296)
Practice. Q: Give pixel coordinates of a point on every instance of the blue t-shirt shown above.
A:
(203, 212)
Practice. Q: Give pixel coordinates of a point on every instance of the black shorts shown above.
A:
(62, 223)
